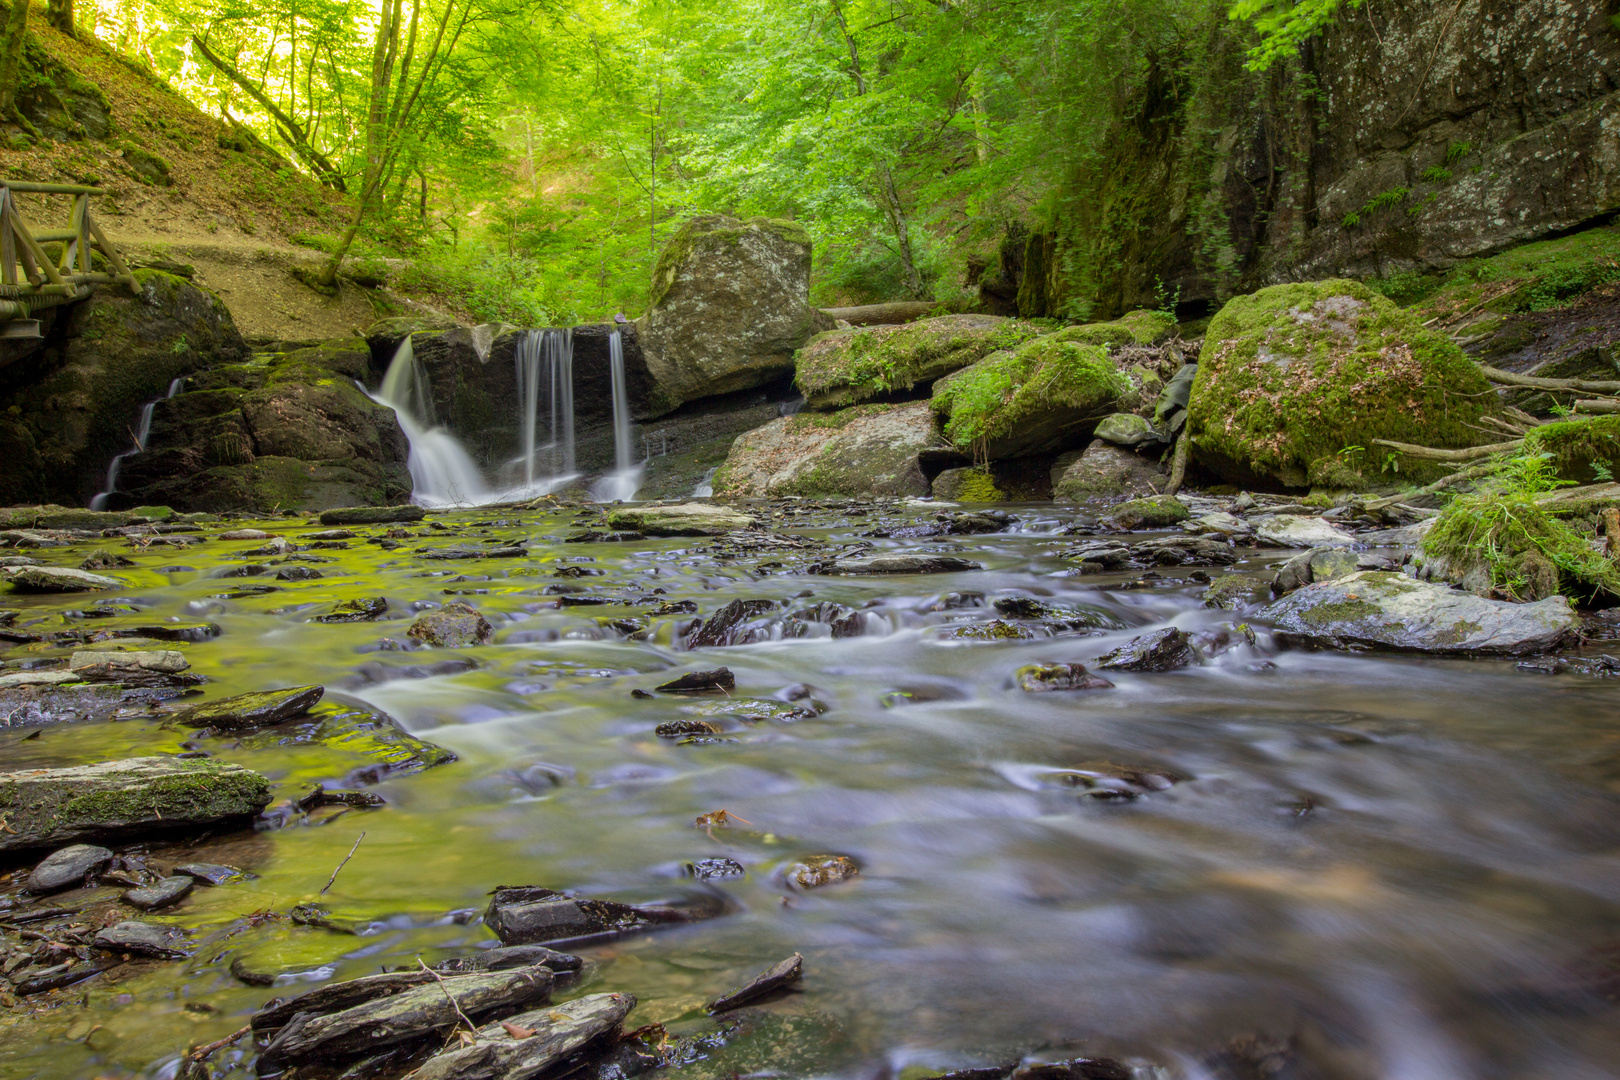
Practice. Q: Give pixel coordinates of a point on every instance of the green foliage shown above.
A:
(1577, 450)
(844, 367)
(1436, 174)
(994, 397)
(1456, 151)
(1284, 25)
(1531, 277)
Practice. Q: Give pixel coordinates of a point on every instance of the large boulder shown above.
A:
(1103, 469)
(282, 431)
(68, 409)
(730, 305)
(1374, 609)
(863, 451)
(846, 367)
(1295, 382)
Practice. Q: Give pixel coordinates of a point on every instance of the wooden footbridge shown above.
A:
(30, 279)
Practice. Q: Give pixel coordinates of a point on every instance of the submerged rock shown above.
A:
(363, 609)
(55, 579)
(67, 868)
(53, 806)
(708, 869)
(371, 515)
(161, 894)
(683, 519)
(259, 709)
(353, 727)
(454, 626)
(814, 871)
(212, 873)
(142, 939)
(718, 681)
(527, 914)
(900, 564)
(1162, 650)
(1379, 610)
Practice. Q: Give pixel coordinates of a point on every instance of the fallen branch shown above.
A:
(1469, 453)
(345, 862)
(1591, 386)
(204, 1052)
(1599, 405)
(1579, 494)
(1473, 472)
(472, 1027)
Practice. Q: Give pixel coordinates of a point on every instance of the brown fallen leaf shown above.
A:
(518, 1032)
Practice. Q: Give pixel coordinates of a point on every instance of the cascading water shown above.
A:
(442, 472)
(143, 431)
(625, 478)
(545, 359)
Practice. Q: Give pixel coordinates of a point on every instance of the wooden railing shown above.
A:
(29, 278)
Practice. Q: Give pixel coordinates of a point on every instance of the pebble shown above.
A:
(170, 890)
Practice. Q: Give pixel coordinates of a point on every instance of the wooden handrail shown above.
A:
(20, 246)
(50, 189)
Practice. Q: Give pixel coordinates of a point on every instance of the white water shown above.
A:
(625, 478)
(705, 487)
(545, 358)
(143, 431)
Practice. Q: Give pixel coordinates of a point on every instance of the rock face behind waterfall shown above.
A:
(730, 305)
(68, 408)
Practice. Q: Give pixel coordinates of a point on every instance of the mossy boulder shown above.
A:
(1044, 396)
(1297, 373)
(1134, 328)
(847, 367)
(730, 305)
(1153, 512)
(70, 407)
(1583, 450)
(862, 451)
(1105, 470)
(972, 484)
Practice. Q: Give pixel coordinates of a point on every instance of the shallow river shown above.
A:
(1370, 866)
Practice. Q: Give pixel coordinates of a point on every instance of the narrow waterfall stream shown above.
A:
(442, 472)
(143, 431)
(625, 478)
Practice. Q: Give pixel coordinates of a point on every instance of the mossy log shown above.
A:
(51, 807)
(532, 1043)
(1602, 405)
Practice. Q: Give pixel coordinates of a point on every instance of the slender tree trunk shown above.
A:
(16, 33)
(61, 16)
(292, 132)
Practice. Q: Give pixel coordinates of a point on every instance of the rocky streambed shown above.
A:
(1204, 789)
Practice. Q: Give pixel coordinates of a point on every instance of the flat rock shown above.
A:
(900, 564)
(212, 873)
(1381, 610)
(778, 976)
(161, 894)
(363, 609)
(36, 678)
(718, 681)
(683, 519)
(512, 956)
(1298, 531)
(1405, 536)
(454, 626)
(165, 662)
(141, 939)
(55, 579)
(68, 867)
(245, 534)
(526, 915)
(1162, 650)
(45, 807)
(258, 709)
(371, 515)
(532, 1043)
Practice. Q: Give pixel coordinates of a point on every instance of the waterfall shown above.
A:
(442, 472)
(625, 478)
(143, 431)
(545, 358)
(705, 487)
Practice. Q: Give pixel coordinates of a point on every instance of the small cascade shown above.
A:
(625, 478)
(705, 486)
(143, 431)
(442, 472)
(545, 365)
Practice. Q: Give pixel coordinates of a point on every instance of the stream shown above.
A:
(1356, 865)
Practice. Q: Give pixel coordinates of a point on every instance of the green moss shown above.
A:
(1229, 592)
(1294, 373)
(1531, 277)
(1577, 445)
(996, 396)
(1136, 328)
(848, 366)
(1525, 551)
(976, 486)
(200, 795)
(1155, 512)
(1340, 611)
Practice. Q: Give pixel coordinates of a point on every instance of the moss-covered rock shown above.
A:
(862, 451)
(846, 367)
(1044, 396)
(972, 484)
(1153, 512)
(1105, 470)
(730, 305)
(1135, 328)
(1296, 373)
(1582, 450)
(1505, 544)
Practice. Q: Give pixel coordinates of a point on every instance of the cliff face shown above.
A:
(1409, 137)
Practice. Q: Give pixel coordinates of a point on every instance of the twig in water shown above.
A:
(451, 997)
(202, 1053)
(345, 862)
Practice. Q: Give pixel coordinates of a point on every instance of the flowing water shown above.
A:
(143, 431)
(1371, 866)
(622, 482)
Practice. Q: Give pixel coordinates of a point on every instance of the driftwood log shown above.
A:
(1468, 453)
(531, 1043)
(397, 1015)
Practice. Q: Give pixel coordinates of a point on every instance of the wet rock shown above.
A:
(509, 957)
(1219, 523)
(142, 939)
(726, 626)
(684, 519)
(718, 681)
(1037, 678)
(778, 976)
(1182, 551)
(1155, 512)
(259, 709)
(99, 559)
(353, 727)
(162, 894)
(758, 710)
(67, 868)
(814, 871)
(44, 807)
(1107, 781)
(55, 579)
(534, 1043)
(1296, 531)
(1074, 1069)
(899, 564)
(171, 632)
(526, 915)
(1105, 470)
(109, 666)
(1229, 592)
(596, 536)
(364, 609)
(1162, 650)
(709, 869)
(453, 626)
(675, 729)
(1319, 564)
(326, 535)
(371, 515)
(30, 981)
(1379, 610)
(1065, 616)
(994, 630)
(1405, 536)
(318, 1032)
(297, 573)
(37, 678)
(212, 873)
(1100, 556)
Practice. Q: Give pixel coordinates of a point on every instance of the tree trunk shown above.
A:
(16, 33)
(61, 16)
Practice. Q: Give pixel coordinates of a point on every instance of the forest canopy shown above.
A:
(537, 152)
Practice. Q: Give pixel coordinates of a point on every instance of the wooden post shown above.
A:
(8, 242)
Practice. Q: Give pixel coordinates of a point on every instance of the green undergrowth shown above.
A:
(1532, 277)
(1000, 394)
(1583, 450)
